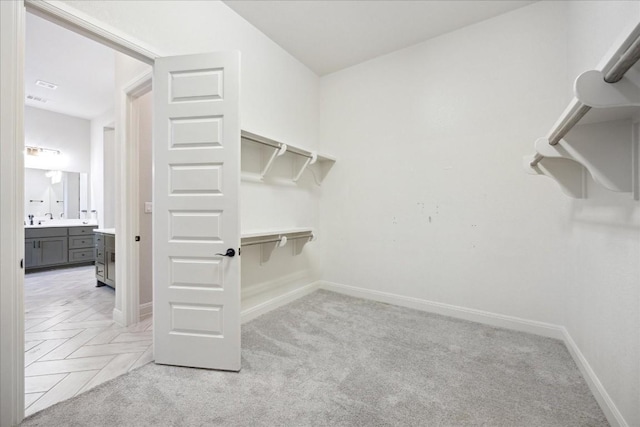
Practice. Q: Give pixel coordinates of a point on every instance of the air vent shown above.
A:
(47, 85)
(36, 99)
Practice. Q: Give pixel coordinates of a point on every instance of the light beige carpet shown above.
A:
(328, 359)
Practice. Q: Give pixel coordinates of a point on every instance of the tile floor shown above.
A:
(71, 341)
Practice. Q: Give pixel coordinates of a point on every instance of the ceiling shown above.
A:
(330, 35)
(82, 69)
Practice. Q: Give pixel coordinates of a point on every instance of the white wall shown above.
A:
(602, 308)
(429, 198)
(279, 100)
(70, 135)
(97, 162)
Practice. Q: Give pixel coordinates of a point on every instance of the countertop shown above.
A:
(58, 224)
(105, 231)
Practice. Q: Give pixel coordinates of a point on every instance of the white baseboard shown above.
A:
(146, 310)
(473, 315)
(607, 405)
(609, 408)
(279, 301)
(118, 317)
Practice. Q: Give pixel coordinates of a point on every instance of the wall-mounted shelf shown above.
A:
(595, 133)
(272, 239)
(278, 149)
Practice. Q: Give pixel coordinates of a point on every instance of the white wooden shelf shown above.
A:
(322, 161)
(269, 240)
(594, 134)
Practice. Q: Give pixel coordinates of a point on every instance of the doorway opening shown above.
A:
(84, 103)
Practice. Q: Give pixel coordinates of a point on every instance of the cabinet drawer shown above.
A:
(99, 240)
(100, 271)
(80, 231)
(100, 255)
(76, 242)
(81, 255)
(31, 233)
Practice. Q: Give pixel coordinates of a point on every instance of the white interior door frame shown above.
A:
(129, 219)
(12, 18)
(12, 48)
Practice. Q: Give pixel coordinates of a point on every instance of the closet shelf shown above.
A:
(325, 162)
(593, 133)
(271, 239)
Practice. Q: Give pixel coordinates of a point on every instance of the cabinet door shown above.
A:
(53, 250)
(30, 253)
(111, 268)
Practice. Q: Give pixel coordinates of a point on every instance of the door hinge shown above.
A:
(22, 263)
(137, 238)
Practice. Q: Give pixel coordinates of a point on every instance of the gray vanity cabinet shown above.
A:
(45, 247)
(105, 253)
(57, 246)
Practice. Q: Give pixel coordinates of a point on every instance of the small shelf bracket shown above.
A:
(308, 161)
(568, 174)
(591, 89)
(298, 244)
(266, 249)
(277, 152)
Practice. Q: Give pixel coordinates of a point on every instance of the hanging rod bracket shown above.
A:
(591, 89)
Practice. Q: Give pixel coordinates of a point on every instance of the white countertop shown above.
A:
(105, 231)
(56, 223)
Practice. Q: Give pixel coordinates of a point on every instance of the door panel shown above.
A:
(53, 250)
(196, 217)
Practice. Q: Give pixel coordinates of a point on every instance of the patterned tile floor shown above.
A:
(71, 341)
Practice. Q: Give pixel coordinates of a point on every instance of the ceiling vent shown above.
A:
(47, 85)
(36, 99)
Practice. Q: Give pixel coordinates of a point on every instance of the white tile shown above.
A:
(81, 325)
(118, 366)
(29, 398)
(28, 345)
(133, 336)
(146, 357)
(71, 345)
(40, 350)
(107, 335)
(41, 383)
(51, 335)
(67, 365)
(65, 389)
(116, 348)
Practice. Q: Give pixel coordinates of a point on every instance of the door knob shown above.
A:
(230, 253)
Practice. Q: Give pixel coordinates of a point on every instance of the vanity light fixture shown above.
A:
(39, 151)
(47, 85)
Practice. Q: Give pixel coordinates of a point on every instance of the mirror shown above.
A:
(63, 194)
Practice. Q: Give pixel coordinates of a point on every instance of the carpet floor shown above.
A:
(328, 359)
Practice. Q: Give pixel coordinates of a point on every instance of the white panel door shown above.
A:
(196, 150)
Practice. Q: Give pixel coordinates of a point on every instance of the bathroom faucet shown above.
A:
(50, 215)
(61, 215)
(30, 219)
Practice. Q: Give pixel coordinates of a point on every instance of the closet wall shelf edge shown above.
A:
(595, 133)
(269, 240)
(309, 158)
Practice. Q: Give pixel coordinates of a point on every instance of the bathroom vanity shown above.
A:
(58, 246)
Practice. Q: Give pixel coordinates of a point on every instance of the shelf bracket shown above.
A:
(266, 249)
(605, 149)
(568, 174)
(277, 152)
(591, 89)
(309, 161)
(298, 244)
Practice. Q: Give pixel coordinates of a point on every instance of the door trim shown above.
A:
(12, 175)
(129, 219)
(11, 213)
